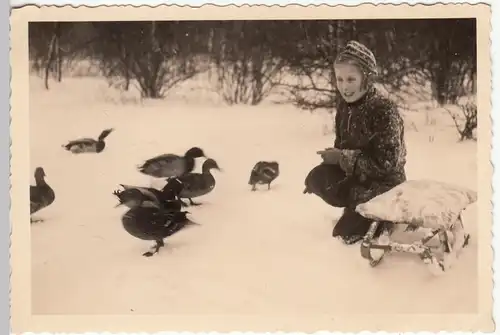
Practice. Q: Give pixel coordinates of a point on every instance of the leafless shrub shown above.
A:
(466, 123)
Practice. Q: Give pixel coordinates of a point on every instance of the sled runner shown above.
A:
(420, 205)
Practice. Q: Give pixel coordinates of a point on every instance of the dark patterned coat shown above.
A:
(370, 133)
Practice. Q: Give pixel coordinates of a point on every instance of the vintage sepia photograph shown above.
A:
(231, 165)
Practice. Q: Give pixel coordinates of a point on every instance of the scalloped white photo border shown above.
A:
(493, 53)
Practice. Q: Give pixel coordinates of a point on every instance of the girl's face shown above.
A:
(349, 81)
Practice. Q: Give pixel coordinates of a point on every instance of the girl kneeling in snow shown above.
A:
(369, 153)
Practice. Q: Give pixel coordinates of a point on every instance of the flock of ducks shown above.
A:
(153, 214)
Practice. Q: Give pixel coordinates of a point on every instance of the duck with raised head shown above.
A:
(264, 172)
(88, 145)
(139, 196)
(41, 194)
(171, 165)
(198, 184)
(152, 224)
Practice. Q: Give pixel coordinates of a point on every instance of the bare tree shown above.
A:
(155, 54)
(54, 54)
(246, 69)
(467, 127)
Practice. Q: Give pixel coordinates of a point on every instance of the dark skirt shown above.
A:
(330, 183)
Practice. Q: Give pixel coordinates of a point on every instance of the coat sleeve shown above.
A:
(336, 143)
(383, 156)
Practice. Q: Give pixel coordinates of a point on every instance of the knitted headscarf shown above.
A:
(361, 55)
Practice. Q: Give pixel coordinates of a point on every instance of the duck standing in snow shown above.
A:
(41, 195)
(138, 196)
(88, 145)
(152, 224)
(264, 173)
(198, 184)
(171, 165)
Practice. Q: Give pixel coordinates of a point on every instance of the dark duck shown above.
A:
(264, 173)
(88, 145)
(41, 195)
(138, 196)
(198, 184)
(152, 224)
(171, 165)
(323, 181)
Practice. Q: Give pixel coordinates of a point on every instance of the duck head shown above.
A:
(105, 134)
(39, 173)
(275, 166)
(210, 164)
(195, 152)
(124, 198)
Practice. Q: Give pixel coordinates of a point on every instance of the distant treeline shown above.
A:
(250, 57)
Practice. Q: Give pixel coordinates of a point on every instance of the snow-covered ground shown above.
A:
(255, 252)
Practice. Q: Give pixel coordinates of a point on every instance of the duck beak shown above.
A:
(118, 205)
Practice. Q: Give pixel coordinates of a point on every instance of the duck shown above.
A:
(264, 172)
(152, 224)
(88, 145)
(198, 184)
(139, 196)
(171, 165)
(323, 182)
(41, 194)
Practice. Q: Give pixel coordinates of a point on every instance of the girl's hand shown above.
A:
(320, 152)
(330, 155)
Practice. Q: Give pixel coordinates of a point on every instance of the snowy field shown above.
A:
(267, 252)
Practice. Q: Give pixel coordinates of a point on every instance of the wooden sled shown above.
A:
(429, 205)
(452, 240)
